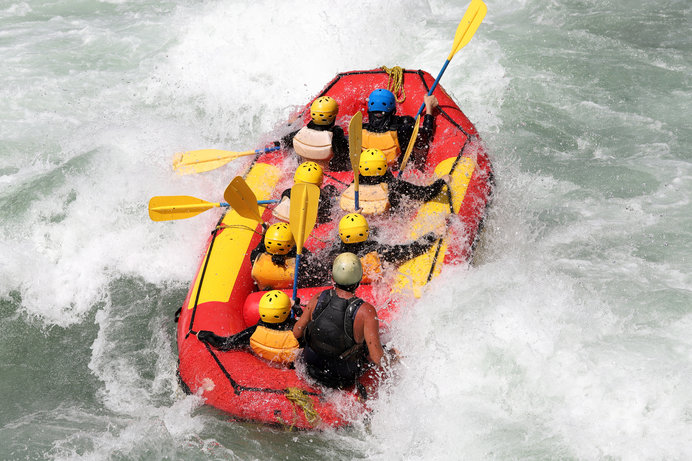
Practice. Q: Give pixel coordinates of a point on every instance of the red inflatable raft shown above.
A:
(223, 297)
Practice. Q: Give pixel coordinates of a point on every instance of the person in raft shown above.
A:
(308, 173)
(340, 330)
(271, 338)
(354, 234)
(379, 190)
(274, 258)
(391, 133)
(321, 140)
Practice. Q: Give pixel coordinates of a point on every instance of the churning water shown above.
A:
(569, 337)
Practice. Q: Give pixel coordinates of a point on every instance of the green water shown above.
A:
(569, 337)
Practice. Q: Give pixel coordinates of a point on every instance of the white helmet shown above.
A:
(347, 269)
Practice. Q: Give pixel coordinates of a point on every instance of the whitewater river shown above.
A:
(570, 337)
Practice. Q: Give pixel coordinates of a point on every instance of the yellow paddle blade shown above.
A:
(199, 161)
(305, 199)
(467, 27)
(355, 139)
(169, 208)
(355, 143)
(241, 198)
(411, 143)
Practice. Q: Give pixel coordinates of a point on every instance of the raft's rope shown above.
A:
(300, 399)
(236, 226)
(396, 82)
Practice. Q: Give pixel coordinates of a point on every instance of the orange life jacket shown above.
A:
(373, 199)
(387, 142)
(274, 345)
(313, 144)
(271, 276)
(372, 267)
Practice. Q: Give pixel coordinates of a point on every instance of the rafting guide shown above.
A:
(342, 332)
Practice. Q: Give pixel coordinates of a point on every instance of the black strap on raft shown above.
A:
(336, 179)
(451, 208)
(214, 233)
(239, 388)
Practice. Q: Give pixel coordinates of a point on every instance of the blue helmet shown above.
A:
(381, 100)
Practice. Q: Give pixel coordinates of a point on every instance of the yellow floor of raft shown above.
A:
(413, 274)
(222, 270)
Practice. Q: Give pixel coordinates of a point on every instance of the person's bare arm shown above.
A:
(371, 333)
(430, 104)
(299, 327)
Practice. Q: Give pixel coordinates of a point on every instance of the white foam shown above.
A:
(535, 351)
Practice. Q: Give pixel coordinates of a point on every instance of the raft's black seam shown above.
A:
(439, 243)
(239, 388)
(201, 279)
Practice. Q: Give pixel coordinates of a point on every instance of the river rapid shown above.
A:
(569, 337)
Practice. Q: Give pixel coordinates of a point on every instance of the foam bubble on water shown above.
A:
(93, 223)
(16, 9)
(258, 73)
(509, 357)
(539, 350)
(524, 354)
(154, 405)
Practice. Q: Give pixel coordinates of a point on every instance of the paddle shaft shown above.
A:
(355, 143)
(222, 204)
(232, 155)
(300, 239)
(432, 88)
(295, 277)
(411, 144)
(465, 30)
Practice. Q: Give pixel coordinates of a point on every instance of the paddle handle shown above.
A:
(259, 202)
(295, 277)
(432, 88)
(268, 149)
(356, 187)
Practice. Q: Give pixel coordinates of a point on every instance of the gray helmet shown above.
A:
(347, 269)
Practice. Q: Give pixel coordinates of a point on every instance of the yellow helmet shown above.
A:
(278, 239)
(308, 173)
(354, 228)
(373, 162)
(323, 110)
(274, 306)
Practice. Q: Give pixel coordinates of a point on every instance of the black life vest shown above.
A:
(330, 332)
